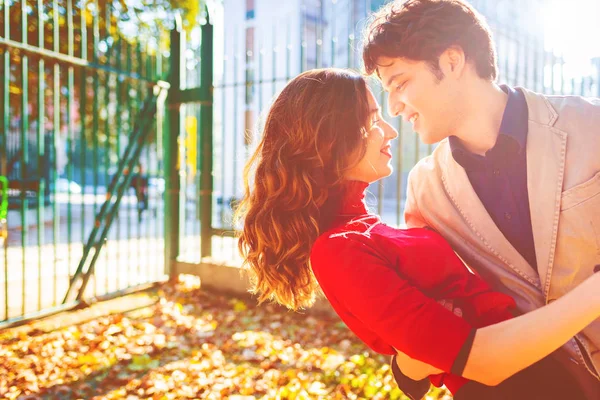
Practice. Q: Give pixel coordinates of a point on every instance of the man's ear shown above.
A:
(453, 61)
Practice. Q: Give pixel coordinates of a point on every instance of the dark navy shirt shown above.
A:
(500, 177)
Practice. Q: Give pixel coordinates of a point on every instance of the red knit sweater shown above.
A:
(385, 284)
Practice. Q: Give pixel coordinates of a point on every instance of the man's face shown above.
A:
(430, 104)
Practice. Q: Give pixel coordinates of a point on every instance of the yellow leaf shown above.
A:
(87, 359)
(239, 306)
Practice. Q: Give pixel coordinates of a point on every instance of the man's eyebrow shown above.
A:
(392, 79)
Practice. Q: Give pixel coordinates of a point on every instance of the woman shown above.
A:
(305, 225)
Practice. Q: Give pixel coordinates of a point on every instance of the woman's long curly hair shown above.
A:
(313, 133)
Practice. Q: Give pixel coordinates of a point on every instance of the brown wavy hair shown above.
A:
(313, 133)
(422, 30)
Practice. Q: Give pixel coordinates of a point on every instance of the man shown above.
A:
(514, 184)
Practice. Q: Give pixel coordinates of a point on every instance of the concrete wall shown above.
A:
(229, 279)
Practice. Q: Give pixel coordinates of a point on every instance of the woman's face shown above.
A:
(376, 162)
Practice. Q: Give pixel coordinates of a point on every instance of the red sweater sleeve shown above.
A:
(373, 292)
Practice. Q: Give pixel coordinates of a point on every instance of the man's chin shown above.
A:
(425, 138)
(428, 139)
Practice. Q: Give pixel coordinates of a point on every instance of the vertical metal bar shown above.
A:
(141, 98)
(83, 114)
(132, 117)
(95, 116)
(261, 52)
(544, 65)
(70, 131)
(119, 120)
(158, 61)
(526, 57)
(288, 56)
(154, 236)
(41, 153)
(149, 75)
(172, 157)
(107, 134)
(7, 4)
(235, 116)
(333, 32)
(553, 63)
(319, 43)
(206, 174)
(197, 227)
(536, 76)
(303, 62)
(274, 62)
(157, 167)
(351, 60)
(518, 59)
(56, 143)
(507, 57)
(224, 130)
(562, 74)
(24, 151)
(130, 206)
(5, 126)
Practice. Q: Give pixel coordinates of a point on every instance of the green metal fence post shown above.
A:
(24, 170)
(206, 139)
(171, 146)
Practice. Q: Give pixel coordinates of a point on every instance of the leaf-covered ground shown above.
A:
(195, 345)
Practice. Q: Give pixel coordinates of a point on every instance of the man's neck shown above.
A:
(482, 117)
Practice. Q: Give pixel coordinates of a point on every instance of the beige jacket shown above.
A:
(563, 180)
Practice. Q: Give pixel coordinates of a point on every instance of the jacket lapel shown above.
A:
(546, 149)
(459, 189)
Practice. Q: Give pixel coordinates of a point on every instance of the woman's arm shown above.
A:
(403, 317)
(503, 349)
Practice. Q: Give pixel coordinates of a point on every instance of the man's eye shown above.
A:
(401, 86)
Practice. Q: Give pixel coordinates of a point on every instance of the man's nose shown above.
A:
(395, 107)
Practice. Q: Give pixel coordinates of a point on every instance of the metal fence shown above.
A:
(266, 43)
(72, 87)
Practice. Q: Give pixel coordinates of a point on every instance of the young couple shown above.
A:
(513, 188)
